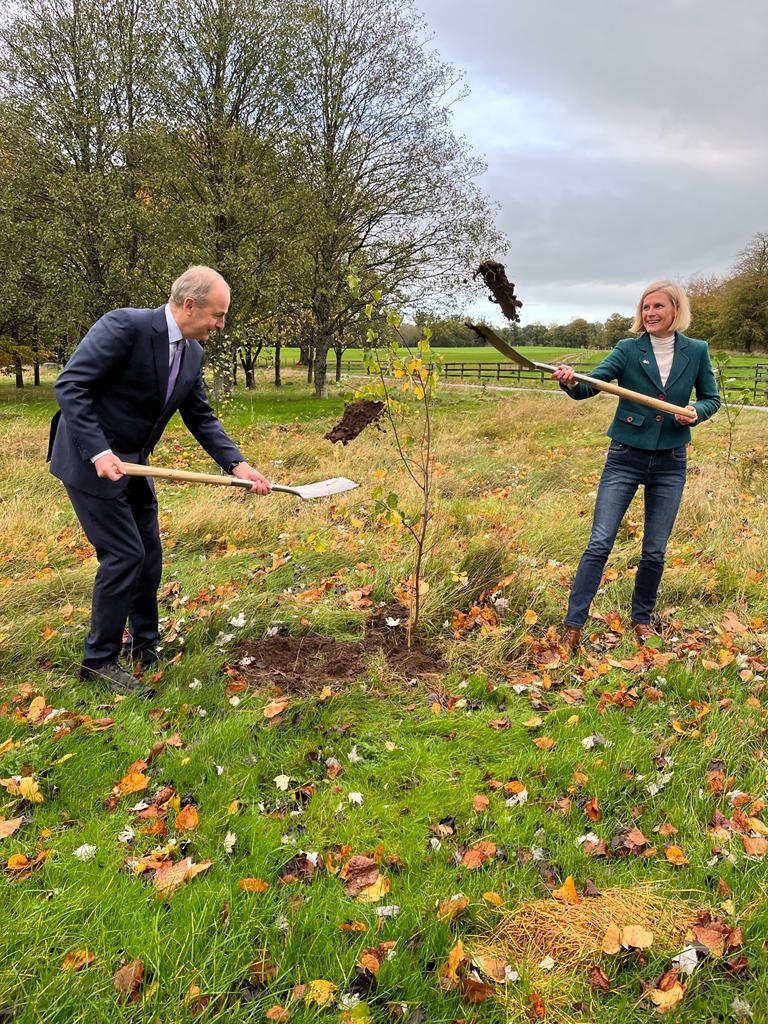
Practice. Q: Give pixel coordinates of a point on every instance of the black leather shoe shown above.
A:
(116, 678)
(146, 659)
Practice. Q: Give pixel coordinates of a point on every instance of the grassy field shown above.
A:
(486, 354)
(389, 847)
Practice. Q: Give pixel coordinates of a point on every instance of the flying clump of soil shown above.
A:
(501, 288)
(357, 416)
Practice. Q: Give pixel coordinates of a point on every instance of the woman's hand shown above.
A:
(687, 420)
(565, 374)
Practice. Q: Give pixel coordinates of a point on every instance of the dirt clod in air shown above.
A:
(502, 290)
(357, 416)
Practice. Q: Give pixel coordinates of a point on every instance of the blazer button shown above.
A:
(661, 397)
(658, 419)
(629, 419)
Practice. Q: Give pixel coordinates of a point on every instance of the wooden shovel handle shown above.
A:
(133, 469)
(616, 389)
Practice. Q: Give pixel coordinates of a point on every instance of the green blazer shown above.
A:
(633, 365)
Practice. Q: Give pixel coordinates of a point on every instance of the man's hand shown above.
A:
(687, 420)
(260, 484)
(109, 466)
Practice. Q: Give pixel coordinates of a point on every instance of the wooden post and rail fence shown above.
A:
(752, 379)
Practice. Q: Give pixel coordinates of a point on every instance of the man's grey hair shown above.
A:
(195, 283)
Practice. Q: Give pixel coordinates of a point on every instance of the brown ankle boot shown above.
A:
(570, 638)
(642, 631)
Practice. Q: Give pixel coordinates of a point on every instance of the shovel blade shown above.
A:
(492, 338)
(321, 489)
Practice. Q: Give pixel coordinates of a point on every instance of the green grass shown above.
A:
(515, 482)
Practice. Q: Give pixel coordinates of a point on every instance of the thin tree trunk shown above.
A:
(19, 371)
(278, 364)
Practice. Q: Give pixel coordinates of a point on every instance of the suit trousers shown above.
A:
(126, 535)
(662, 474)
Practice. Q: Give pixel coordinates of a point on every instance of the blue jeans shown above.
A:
(663, 475)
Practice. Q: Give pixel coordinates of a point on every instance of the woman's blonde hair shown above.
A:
(677, 297)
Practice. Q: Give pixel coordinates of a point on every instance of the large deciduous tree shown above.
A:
(392, 193)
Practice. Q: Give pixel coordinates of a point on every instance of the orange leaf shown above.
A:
(477, 855)
(253, 885)
(77, 959)
(675, 855)
(568, 894)
(494, 898)
(480, 802)
(276, 707)
(17, 862)
(187, 819)
(544, 742)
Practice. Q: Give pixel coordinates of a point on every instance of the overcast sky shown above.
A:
(625, 141)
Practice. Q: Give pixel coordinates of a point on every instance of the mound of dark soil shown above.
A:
(357, 416)
(303, 664)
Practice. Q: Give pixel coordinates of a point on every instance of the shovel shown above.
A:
(321, 489)
(602, 385)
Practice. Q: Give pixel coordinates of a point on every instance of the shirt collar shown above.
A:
(174, 331)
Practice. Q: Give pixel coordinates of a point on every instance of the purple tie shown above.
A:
(173, 372)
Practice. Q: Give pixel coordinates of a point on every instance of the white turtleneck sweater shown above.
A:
(664, 352)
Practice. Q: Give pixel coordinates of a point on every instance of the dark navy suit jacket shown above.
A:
(111, 394)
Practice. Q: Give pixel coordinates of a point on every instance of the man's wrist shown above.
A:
(233, 465)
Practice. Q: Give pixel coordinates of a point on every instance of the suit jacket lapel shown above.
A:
(160, 352)
(680, 362)
(648, 362)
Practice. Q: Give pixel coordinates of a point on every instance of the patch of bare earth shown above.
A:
(305, 663)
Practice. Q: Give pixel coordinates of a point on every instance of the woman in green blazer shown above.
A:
(647, 447)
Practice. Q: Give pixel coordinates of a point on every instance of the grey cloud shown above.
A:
(623, 141)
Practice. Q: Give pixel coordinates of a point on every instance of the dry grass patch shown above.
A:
(573, 934)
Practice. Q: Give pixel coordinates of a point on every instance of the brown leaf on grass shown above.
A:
(568, 894)
(262, 972)
(493, 898)
(134, 781)
(278, 1014)
(478, 854)
(22, 867)
(544, 742)
(491, 966)
(375, 891)
(276, 707)
(480, 802)
(599, 979)
(128, 979)
(450, 908)
(253, 885)
(612, 939)
(168, 877)
(76, 959)
(187, 819)
(675, 855)
(713, 936)
(448, 972)
(475, 991)
(9, 825)
(634, 936)
(668, 993)
(592, 809)
(754, 846)
(359, 872)
(23, 786)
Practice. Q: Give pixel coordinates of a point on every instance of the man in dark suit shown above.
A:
(126, 378)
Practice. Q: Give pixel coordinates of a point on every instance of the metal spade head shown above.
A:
(321, 489)
(492, 338)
